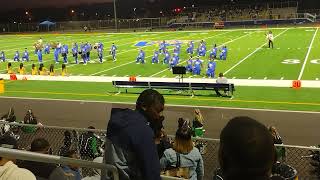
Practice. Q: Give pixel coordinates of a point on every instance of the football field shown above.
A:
(295, 56)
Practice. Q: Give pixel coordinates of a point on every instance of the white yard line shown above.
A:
(218, 46)
(256, 50)
(307, 56)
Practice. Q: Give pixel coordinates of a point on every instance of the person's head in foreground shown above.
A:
(151, 104)
(246, 150)
(41, 145)
(8, 170)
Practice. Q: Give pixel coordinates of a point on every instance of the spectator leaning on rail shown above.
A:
(8, 170)
(131, 138)
(246, 150)
(183, 156)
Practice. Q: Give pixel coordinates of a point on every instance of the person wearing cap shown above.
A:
(8, 169)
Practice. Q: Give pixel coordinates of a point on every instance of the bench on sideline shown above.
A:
(228, 88)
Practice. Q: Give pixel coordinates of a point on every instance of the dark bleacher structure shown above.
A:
(185, 86)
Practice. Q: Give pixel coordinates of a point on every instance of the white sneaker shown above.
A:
(137, 63)
(85, 64)
(57, 62)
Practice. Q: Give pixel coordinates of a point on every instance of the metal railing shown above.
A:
(295, 156)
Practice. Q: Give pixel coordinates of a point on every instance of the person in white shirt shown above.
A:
(220, 80)
(8, 170)
(270, 39)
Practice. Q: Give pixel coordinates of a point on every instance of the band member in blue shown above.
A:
(166, 57)
(25, 56)
(190, 47)
(213, 53)
(113, 51)
(47, 49)
(155, 58)
(189, 64)
(162, 47)
(140, 57)
(211, 68)
(197, 66)
(224, 53)
(100, 52)
(39, 53)
(16, 56)
(2, 56)
(75, 52)
(64, 53)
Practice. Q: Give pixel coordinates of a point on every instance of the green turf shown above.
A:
(306, 99)
(244, 61)
(264, 63)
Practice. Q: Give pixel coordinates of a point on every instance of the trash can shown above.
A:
(1, 86)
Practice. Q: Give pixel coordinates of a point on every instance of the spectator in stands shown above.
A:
(131, 138)
(72, 169)
(246, 150)
(8, 170)
(163, 142)
(280, 151)
(221, 80)
(183, 155)
(39, 169)
(67, 141)
(275, 134)
(88, 145)
(97, 173)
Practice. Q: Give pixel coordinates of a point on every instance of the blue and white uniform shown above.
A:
(100, 53)
(2, 56)
(211, 69)
(16, 56)
(47, 49)
(197, 67)
(75, 52)
(213, 53)
(39, 53)
(162, 47)
(155, 58)
(25, 56)
(224, 53)
(189, 65)
(64, 52)
(140, 57)
(174, 61)
(113, 52)
(190, 47)
(166, 57)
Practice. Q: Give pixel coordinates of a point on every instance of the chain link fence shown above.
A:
(296, 156)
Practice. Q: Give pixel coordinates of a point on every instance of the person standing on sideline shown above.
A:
(270, 39)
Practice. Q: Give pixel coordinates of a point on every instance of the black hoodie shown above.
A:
(130, 146)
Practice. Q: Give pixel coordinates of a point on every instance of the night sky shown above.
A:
(12, 4)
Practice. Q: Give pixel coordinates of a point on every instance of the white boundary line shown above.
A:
(256, 50)
(307, 55)
(167, 105)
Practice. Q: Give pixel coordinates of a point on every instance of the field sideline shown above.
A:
(295, 56)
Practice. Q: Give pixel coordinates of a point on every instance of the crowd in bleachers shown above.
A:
(234, 12)
(138, 146)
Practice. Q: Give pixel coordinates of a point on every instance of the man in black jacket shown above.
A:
(130, 144)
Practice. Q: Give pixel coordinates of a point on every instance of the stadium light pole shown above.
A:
(115, 14)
